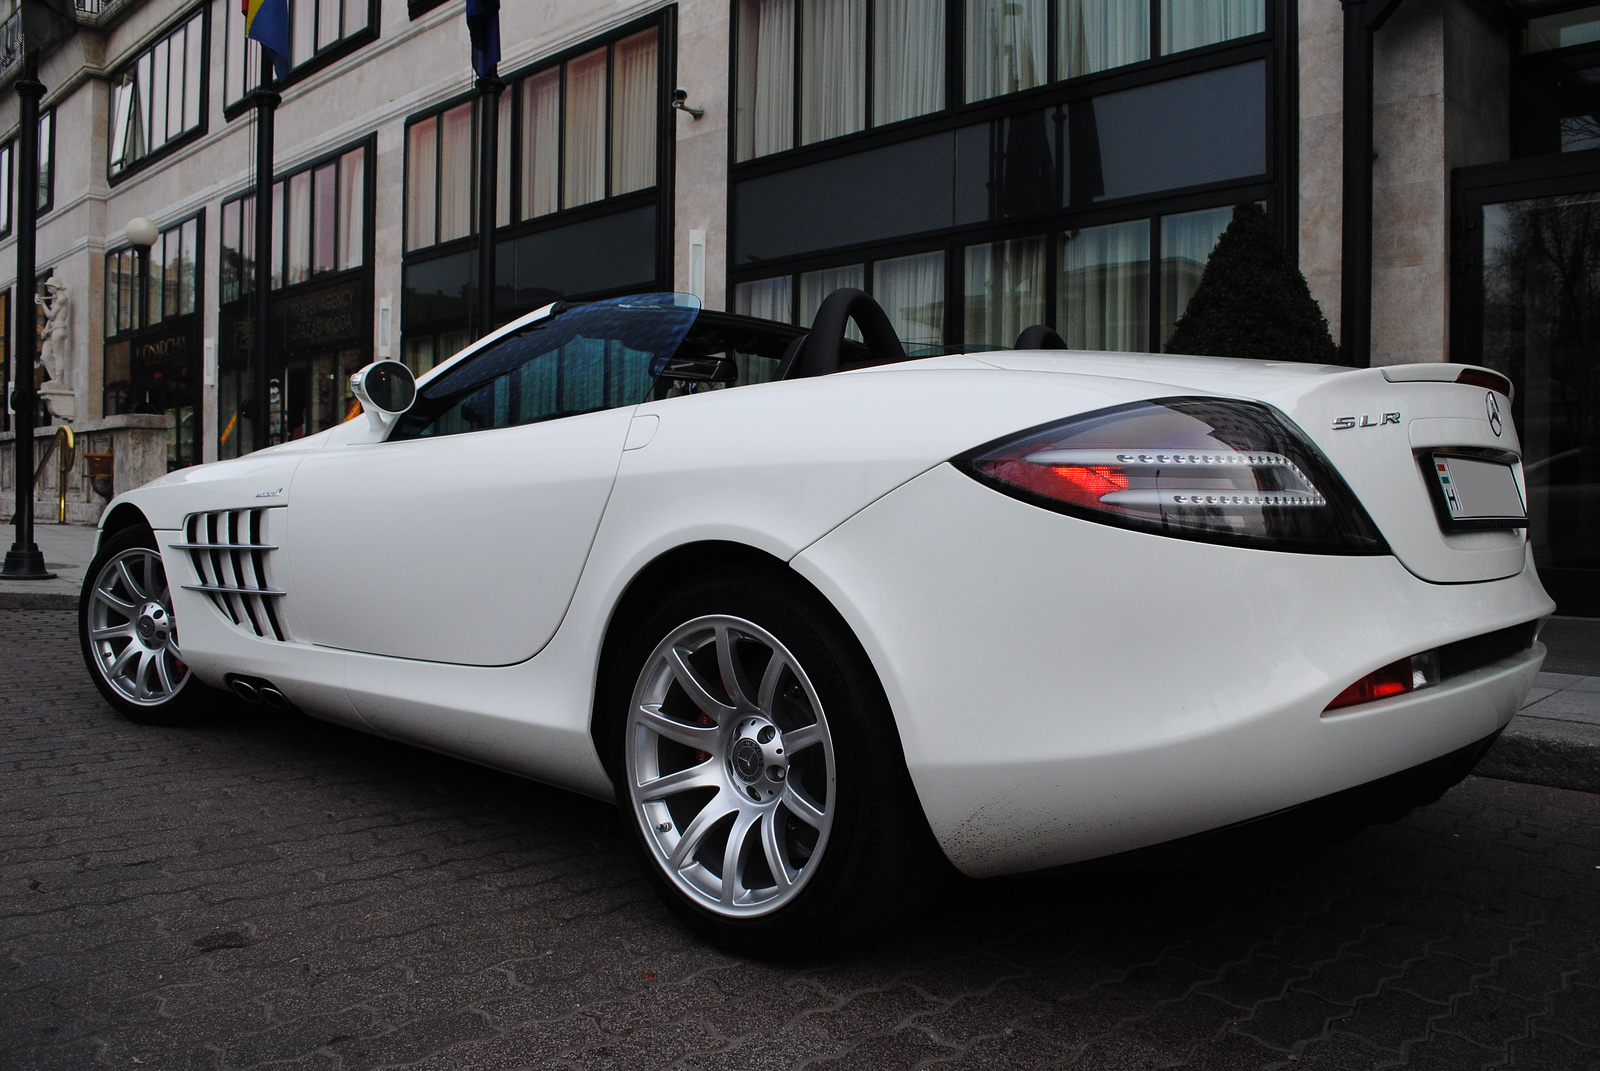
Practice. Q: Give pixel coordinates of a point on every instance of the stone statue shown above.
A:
(56, 392)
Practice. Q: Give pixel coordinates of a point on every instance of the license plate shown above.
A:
(1479, 493)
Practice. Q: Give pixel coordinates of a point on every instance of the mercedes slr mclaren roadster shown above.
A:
(824, 619)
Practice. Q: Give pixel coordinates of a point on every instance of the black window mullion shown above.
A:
(561, 139)
(1155, 29)
(1052, 50)
(438, 172)
(799, 72)
(1153, 287)
(867, 83)
(954, 54)
(1052, 242)
(606, 114)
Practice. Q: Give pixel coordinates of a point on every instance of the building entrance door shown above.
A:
(314, 393)
(1533, 312)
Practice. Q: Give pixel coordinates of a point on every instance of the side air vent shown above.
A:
(230, 558)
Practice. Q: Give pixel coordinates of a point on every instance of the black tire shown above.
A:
(172, 695)
(875, 862)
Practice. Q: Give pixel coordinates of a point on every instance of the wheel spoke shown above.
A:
(799, 739)
(105, 595)
(120, 663)
(802, 808)
(701, 738)
(702, 776)
(160, 660)
(713, 812)
(112, 632)
(768, 690)
(774, 852)
(696, 688)
(141, 687)
(728, 666)
(134, 587)
(732, 879)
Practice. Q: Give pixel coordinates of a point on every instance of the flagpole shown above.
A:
(490, 86)
(266, 101)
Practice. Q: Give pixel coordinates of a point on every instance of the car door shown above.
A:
(461, 538)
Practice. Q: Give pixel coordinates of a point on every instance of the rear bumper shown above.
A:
(1066, 690)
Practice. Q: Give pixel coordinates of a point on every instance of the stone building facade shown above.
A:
(978, 165)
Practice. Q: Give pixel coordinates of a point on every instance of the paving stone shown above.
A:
(360, 903)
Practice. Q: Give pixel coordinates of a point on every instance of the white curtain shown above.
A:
(833, 77)
(327, 22)
(1006, 46)
(422, 182)
(586, 129)
(1103, 298)
(633, 122)
(303, 31)
(769, 299)
(455, 172)
(1186, 243)
(355, 15)
(191, 73)
(324, 228)
(911, 291)
(816, 285)
(1004, 290)
(907, 59)
(352, 208)
(1095, 35)
(766, 77)
(1189, 24)
(541, 143)
(299, 228)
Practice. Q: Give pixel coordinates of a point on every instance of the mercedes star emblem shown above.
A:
(1495, 423)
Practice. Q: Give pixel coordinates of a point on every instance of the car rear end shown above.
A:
(1254, 589)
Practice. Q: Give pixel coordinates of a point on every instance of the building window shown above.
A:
(572, 133)
(157, 97)
(47, 161)
(319, 32)
(7, 162)
(802, 66)
(152, 334)
(323, 229)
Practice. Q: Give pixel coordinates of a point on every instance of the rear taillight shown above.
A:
(1204, 468)
(1397, 678)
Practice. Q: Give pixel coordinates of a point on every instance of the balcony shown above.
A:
(95, 13)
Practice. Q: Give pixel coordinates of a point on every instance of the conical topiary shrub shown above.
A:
(1252, 301)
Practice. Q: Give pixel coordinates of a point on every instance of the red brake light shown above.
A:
(1482, 377)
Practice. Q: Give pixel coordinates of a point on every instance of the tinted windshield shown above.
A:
(579, 360)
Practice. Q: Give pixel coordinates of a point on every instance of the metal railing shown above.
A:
(89, 12)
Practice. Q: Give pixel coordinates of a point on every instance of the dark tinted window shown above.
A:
(579, 360)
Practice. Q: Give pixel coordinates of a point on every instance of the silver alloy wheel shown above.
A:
(132, 632)
(730, 766)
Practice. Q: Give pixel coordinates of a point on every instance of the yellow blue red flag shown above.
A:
(267, 21)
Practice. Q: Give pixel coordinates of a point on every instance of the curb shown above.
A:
(37, 600)
(1539, 751)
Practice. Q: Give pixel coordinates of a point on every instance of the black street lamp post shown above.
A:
(489, 89)
(266, 101)
(23, 560)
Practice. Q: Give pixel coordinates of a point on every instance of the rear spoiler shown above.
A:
(1470, 374)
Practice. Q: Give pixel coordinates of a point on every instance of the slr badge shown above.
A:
(1496, 424)
(1345, 423)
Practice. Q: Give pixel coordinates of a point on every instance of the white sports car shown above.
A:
(820, 617)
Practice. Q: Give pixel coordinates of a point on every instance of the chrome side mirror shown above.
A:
(385, 389)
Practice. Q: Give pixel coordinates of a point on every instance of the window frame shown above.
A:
(198, 217)
(511, 154)
(333, 53)
(957, 110)
(1275, 48)
(369, 214)
(203, 10)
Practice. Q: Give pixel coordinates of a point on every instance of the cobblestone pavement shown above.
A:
(273, 892)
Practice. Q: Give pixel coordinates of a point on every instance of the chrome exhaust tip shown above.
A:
(246, 691)
(273, 698)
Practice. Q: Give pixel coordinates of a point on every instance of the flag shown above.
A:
(267, 21)
(483, 25)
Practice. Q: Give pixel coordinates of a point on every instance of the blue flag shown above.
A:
(483, 24)
(267, 21)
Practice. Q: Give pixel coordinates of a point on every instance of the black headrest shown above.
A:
(818, 353)
(1039, 337)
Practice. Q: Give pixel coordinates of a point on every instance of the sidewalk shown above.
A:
(1553, 741)
(67, 549)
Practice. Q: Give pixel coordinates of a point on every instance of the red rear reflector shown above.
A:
(1393, 679)
(1482, 377)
